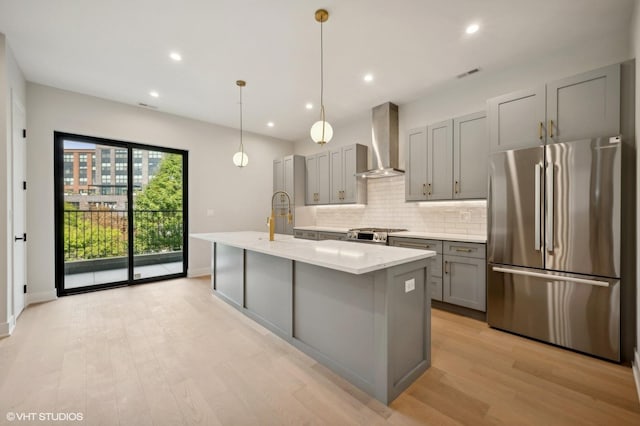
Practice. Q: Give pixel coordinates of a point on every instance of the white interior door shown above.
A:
(19, 209)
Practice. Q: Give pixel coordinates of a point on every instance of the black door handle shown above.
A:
(18, 238)
(23, 238)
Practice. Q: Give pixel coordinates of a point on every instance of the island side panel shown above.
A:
(213, 266)
(333, 321)
(409, 325)
(268, 291)
(229, 273)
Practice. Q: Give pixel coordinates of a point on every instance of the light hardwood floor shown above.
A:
(171, 353)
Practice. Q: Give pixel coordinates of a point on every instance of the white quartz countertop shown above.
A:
(322, 229)
(439, 236)
(339, 255)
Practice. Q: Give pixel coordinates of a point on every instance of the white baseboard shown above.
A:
(42, 296)
(636, 371)
(6, 328)
(198, 272)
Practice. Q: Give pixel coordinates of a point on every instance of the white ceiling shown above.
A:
(118, 49)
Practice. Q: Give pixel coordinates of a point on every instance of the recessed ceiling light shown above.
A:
(309, 105)
(472, 28)
(175, 56)
(154, 94)
(270, 124)
(368, 78)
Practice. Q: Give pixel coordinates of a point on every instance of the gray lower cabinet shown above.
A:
(341, 236)
(464, 282)
(586, 105)
(305, 235)
(319, 235)
(464, 278)
(458, 272)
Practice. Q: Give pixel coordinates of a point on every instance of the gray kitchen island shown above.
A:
(363, 310)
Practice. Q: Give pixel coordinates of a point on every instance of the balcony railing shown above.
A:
(94, 234)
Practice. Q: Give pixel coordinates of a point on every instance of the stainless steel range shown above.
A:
(370, 235)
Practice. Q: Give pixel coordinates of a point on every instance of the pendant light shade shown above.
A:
(240, 158)
(321, 131)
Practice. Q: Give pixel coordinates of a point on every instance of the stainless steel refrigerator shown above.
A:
(554, 244)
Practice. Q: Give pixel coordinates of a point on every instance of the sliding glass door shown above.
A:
(158, 238)
(120, 213)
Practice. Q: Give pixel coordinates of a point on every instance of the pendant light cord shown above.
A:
(322, 79)
(241, 144)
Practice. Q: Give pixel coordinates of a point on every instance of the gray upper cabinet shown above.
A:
(516, 120)
(336, 171)
(317, 178)
(583, 106)
(429, 166)
(344, 163)
(470, 156)
(288, 176)
(416, 166)
(440, 160)
(278, 176)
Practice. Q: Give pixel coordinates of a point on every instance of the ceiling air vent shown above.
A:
(143, 105)
(466, 73)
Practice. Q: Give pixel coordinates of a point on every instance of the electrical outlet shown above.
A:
(210, 212)
(465, 216)
(409, 285)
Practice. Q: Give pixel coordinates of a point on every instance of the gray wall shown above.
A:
(240, 198)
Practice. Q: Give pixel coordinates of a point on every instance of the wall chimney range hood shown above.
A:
(384, 142)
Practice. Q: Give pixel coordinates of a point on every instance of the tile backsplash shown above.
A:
(386, 207)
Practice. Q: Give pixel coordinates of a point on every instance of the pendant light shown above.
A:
(321, 131)
(240, 158)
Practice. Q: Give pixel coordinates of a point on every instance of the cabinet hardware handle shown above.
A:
(540, 130)
(464, 250)
(424, 189)
(551, 129)
(446, 267)
(457, 187)
(429, 191)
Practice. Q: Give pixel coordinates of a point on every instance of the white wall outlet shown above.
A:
(210, 212)
(465, 216)
(409, 285)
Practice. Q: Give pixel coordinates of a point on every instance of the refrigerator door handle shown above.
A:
(550, 196)
(538, 196)
(549, 276)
